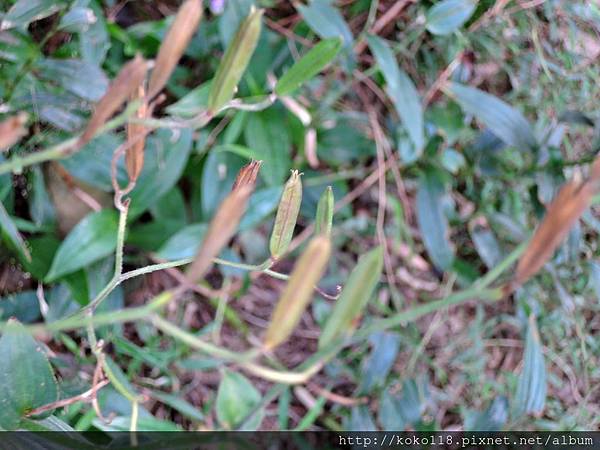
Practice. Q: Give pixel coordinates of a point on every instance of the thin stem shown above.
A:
(116, 279)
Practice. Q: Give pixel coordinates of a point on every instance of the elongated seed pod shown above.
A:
(287, 214)
(324, 219)
(568, 206)
(121, 88)
(134, 155)
(247, 175)
(234, 63)
(298, 292)
(220, 231)
(354, 297)
(225, 222)
(12, 129)
(177, 39)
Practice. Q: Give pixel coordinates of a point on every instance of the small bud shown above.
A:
(234, 63)
(12, 129)
(324, 219)
(177, 39)
(247, 175)
(354, 297)
(298, 292)
(122, 87)
(134, 156)
(287, 214)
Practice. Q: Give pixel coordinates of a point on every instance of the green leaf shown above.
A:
(531, 390)
(402, 91)
(492, 419)
(26, 379)
(361, 420)
(447, 16)
(166, 155)
(308, 66)
(11, 234)
(354, 298)
(79, 77)
(328, 22)
(92, 164)
(266, 133)
(376, 367)
(193, 103)
(506, 122)
(179, 404)
(24, 12)
(23, 305)
(184, 243)
(432, 220)
(236, 398)
(94, 42)
(396, 412)
(93, 238)
(235, 12)
(486, 245)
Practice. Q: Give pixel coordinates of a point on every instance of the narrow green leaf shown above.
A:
(24, 12)
(492, 419)
(236, 398)
(506, 122)
(11, 234)
(179, 404)
(447, 16)
(26, 378)
(93, 238)
(184, 243)
(308, 66)
(324, 219)
(354, 298)
(84, 79)
(328, 22)
(234, 62)
(432, 221)
(531, 390)
(402, 91)
(165, 159)
(376, 367)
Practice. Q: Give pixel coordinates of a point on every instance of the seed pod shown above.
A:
(287, 214)
(234, 63)
(225, 223)
(177, 39)
(12, 129)
(134, 155)
(122, 87)
(324, 218)
(247, 175)
(298, 292)
(354, 297)
(568, 206)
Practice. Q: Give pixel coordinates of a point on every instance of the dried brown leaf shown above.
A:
(220, 231)
(134, 155)
(122, 87)
(177, 39)
(568, 206)
(12, 129)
